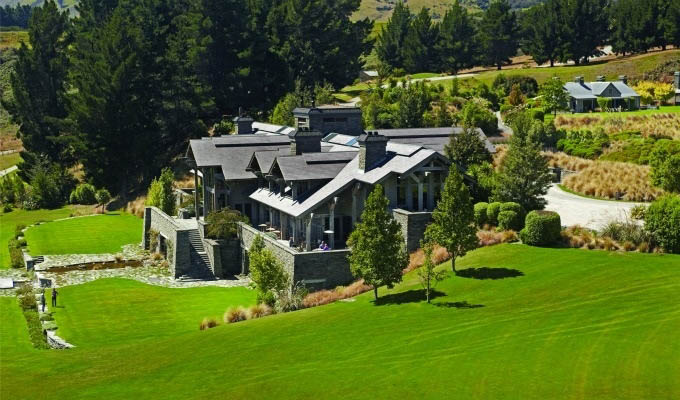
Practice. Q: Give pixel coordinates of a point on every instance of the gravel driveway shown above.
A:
(590, 213)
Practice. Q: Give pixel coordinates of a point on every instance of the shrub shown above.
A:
(224, 224)
(47, 317)
(638, 212)
(585, 144)
(492, 213)
(235, 315)
(512, 206)
(83, 194)
(16, 256)
(662, 220)
(291, 299)
(18, 230)
(259, 310)
(538, 114)
(480, 210)
(541, 228)
(27, 302)
(50, 185)
(509, 220)
(627, 231)
(102, 197)
(207, 323)
(629, 246)
(161, 193)
(35, 330)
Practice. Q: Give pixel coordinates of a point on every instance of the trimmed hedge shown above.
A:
(16, 256)
(480, 213)
(541, 228)
(492, 212)
(509, 220)
(662, 220)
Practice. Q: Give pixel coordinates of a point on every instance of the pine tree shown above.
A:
(317, 41)
(457, 46)
(378, 253)
(499, 33)
(391, 39)
(586, 25)
(542, 32)
(467, 148)
(39, 88)
(669, 23)
(418, 50)
(524, 176)
(453, 220)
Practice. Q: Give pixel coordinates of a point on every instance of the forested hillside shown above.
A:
(374, 9)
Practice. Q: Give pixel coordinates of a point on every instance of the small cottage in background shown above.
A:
(365, 76)
(583, 95)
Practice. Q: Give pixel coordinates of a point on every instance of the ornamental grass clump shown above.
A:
(235, 314)
(259, 311)
(208, 323)
(323, 297)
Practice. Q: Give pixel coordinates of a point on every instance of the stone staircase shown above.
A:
(200, 263)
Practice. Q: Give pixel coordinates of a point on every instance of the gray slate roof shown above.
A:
(591, 90)
(396, 164)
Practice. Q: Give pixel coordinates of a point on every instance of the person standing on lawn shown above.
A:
(42, 300)
(54, 297)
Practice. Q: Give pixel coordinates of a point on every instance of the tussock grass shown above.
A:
(667, 124)
(136, 206)
(235, 314)
(207, 323)
(329, 296)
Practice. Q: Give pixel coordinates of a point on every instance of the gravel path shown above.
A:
(590, 213)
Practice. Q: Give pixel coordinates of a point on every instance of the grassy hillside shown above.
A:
(550, 323)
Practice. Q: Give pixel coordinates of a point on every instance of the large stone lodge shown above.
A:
(300, 186)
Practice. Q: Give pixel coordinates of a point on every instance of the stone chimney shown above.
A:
(676, 80)
(623, 78)
(305, 140)
(600, 78)
(243, 123)
(372, 150)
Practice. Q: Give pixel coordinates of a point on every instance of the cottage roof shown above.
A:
(313, 166)
(591, 90)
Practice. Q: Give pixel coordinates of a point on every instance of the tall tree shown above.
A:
(524, 176)
(418, 51)
(378, 254)
(391, 39)
(39, 87)
(453, 220)
(427, 274)
(499, 33)
(457, 46)
(669, 23)
(542, 32)
(317, 41)
(586, 23)
(467, 148)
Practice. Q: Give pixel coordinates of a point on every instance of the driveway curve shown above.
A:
(589, 213)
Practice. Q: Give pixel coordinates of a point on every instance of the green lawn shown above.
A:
(8, 160)
(564, 323)
(96, 234)
(18, 216)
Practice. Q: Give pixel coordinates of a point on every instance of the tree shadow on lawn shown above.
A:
(411, 296)
(489, 273)
(457, 304)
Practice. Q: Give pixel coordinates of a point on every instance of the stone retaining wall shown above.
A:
(413, 226)
(316, 269)
(179, 259)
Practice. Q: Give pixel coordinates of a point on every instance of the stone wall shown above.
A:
(413, 226)
(225, 256)
(316, 269)
(179, 247)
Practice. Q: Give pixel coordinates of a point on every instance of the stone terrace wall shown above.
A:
(413, 226)
(317, 269)
(225, 256)
(179, 259)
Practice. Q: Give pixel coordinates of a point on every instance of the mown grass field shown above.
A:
(105, 233)
(563, 323)
(9, 160)
(8, 221)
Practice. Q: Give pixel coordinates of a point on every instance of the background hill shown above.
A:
(379, 10)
